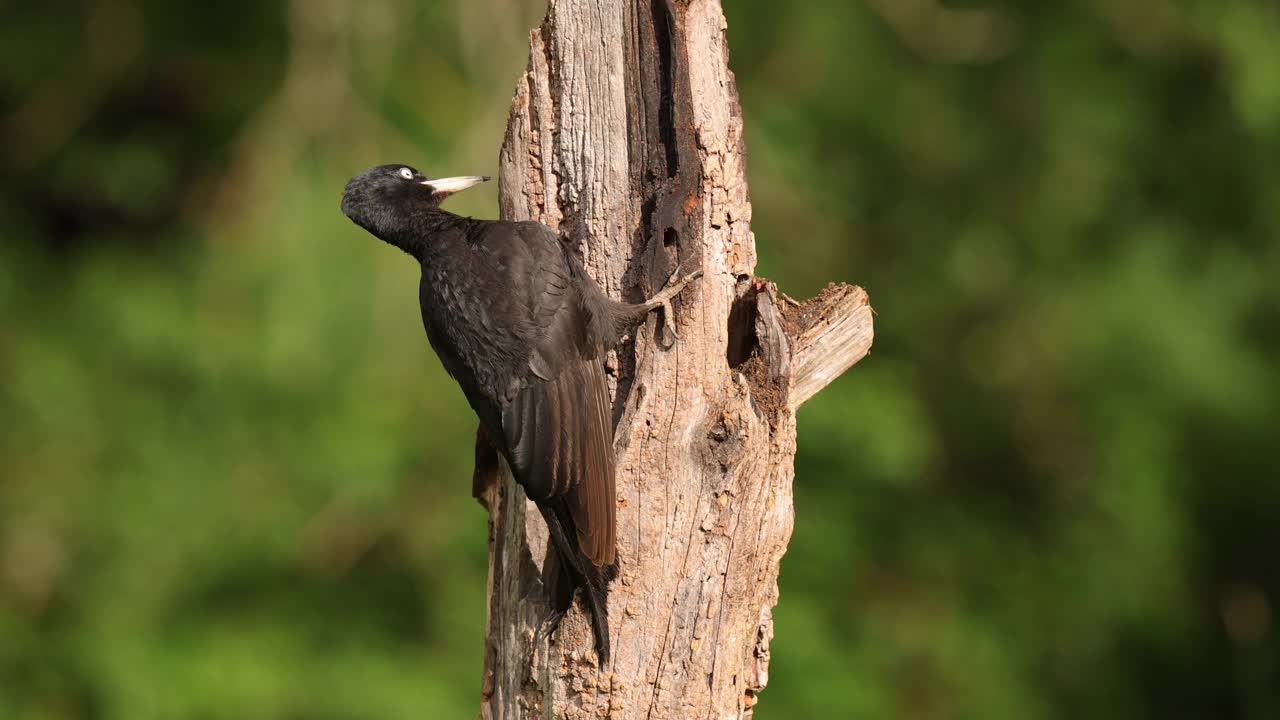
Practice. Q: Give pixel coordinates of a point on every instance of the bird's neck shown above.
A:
(417, 236)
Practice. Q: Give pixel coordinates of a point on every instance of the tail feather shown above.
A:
(581, 572)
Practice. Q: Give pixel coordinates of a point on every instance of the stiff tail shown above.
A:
(579, 571)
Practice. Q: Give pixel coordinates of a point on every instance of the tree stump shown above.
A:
(626, 134)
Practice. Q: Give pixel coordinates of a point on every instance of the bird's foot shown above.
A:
(675, 284)
(549, 625)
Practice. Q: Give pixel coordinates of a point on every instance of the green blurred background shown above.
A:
(234, 481)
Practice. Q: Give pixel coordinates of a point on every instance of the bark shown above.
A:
(626, 134)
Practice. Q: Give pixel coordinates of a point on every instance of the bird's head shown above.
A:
(384, 198)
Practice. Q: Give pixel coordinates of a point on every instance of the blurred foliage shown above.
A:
(233, 479)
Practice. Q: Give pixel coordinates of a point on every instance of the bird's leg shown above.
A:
(560, 589)
(675, 284)
(549, 625)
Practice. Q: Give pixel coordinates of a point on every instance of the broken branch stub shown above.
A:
(830, 333)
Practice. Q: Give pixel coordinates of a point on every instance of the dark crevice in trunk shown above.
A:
(663, 17)
(742, 324)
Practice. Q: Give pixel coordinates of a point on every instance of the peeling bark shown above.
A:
(626, 134)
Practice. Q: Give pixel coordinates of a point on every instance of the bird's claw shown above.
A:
(549, 625)
(675, 284)
(670, 317)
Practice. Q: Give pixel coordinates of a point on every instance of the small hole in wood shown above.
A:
(742, 326)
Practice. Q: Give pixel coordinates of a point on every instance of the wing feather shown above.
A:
(563, 448)
(568, 451)
(519, 339)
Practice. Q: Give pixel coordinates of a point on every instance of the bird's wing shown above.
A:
(518, 337)
(556, 420)
(559, 445)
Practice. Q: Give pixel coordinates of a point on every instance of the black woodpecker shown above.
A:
(523, 329)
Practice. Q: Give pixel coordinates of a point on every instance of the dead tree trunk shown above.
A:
(626, 134)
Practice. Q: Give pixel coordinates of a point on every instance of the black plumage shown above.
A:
(523, 329)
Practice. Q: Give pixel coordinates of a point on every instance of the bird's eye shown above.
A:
(406, 173)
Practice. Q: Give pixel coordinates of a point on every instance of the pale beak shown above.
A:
(449, 185)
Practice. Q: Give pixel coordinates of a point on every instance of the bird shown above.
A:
(523, 329)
